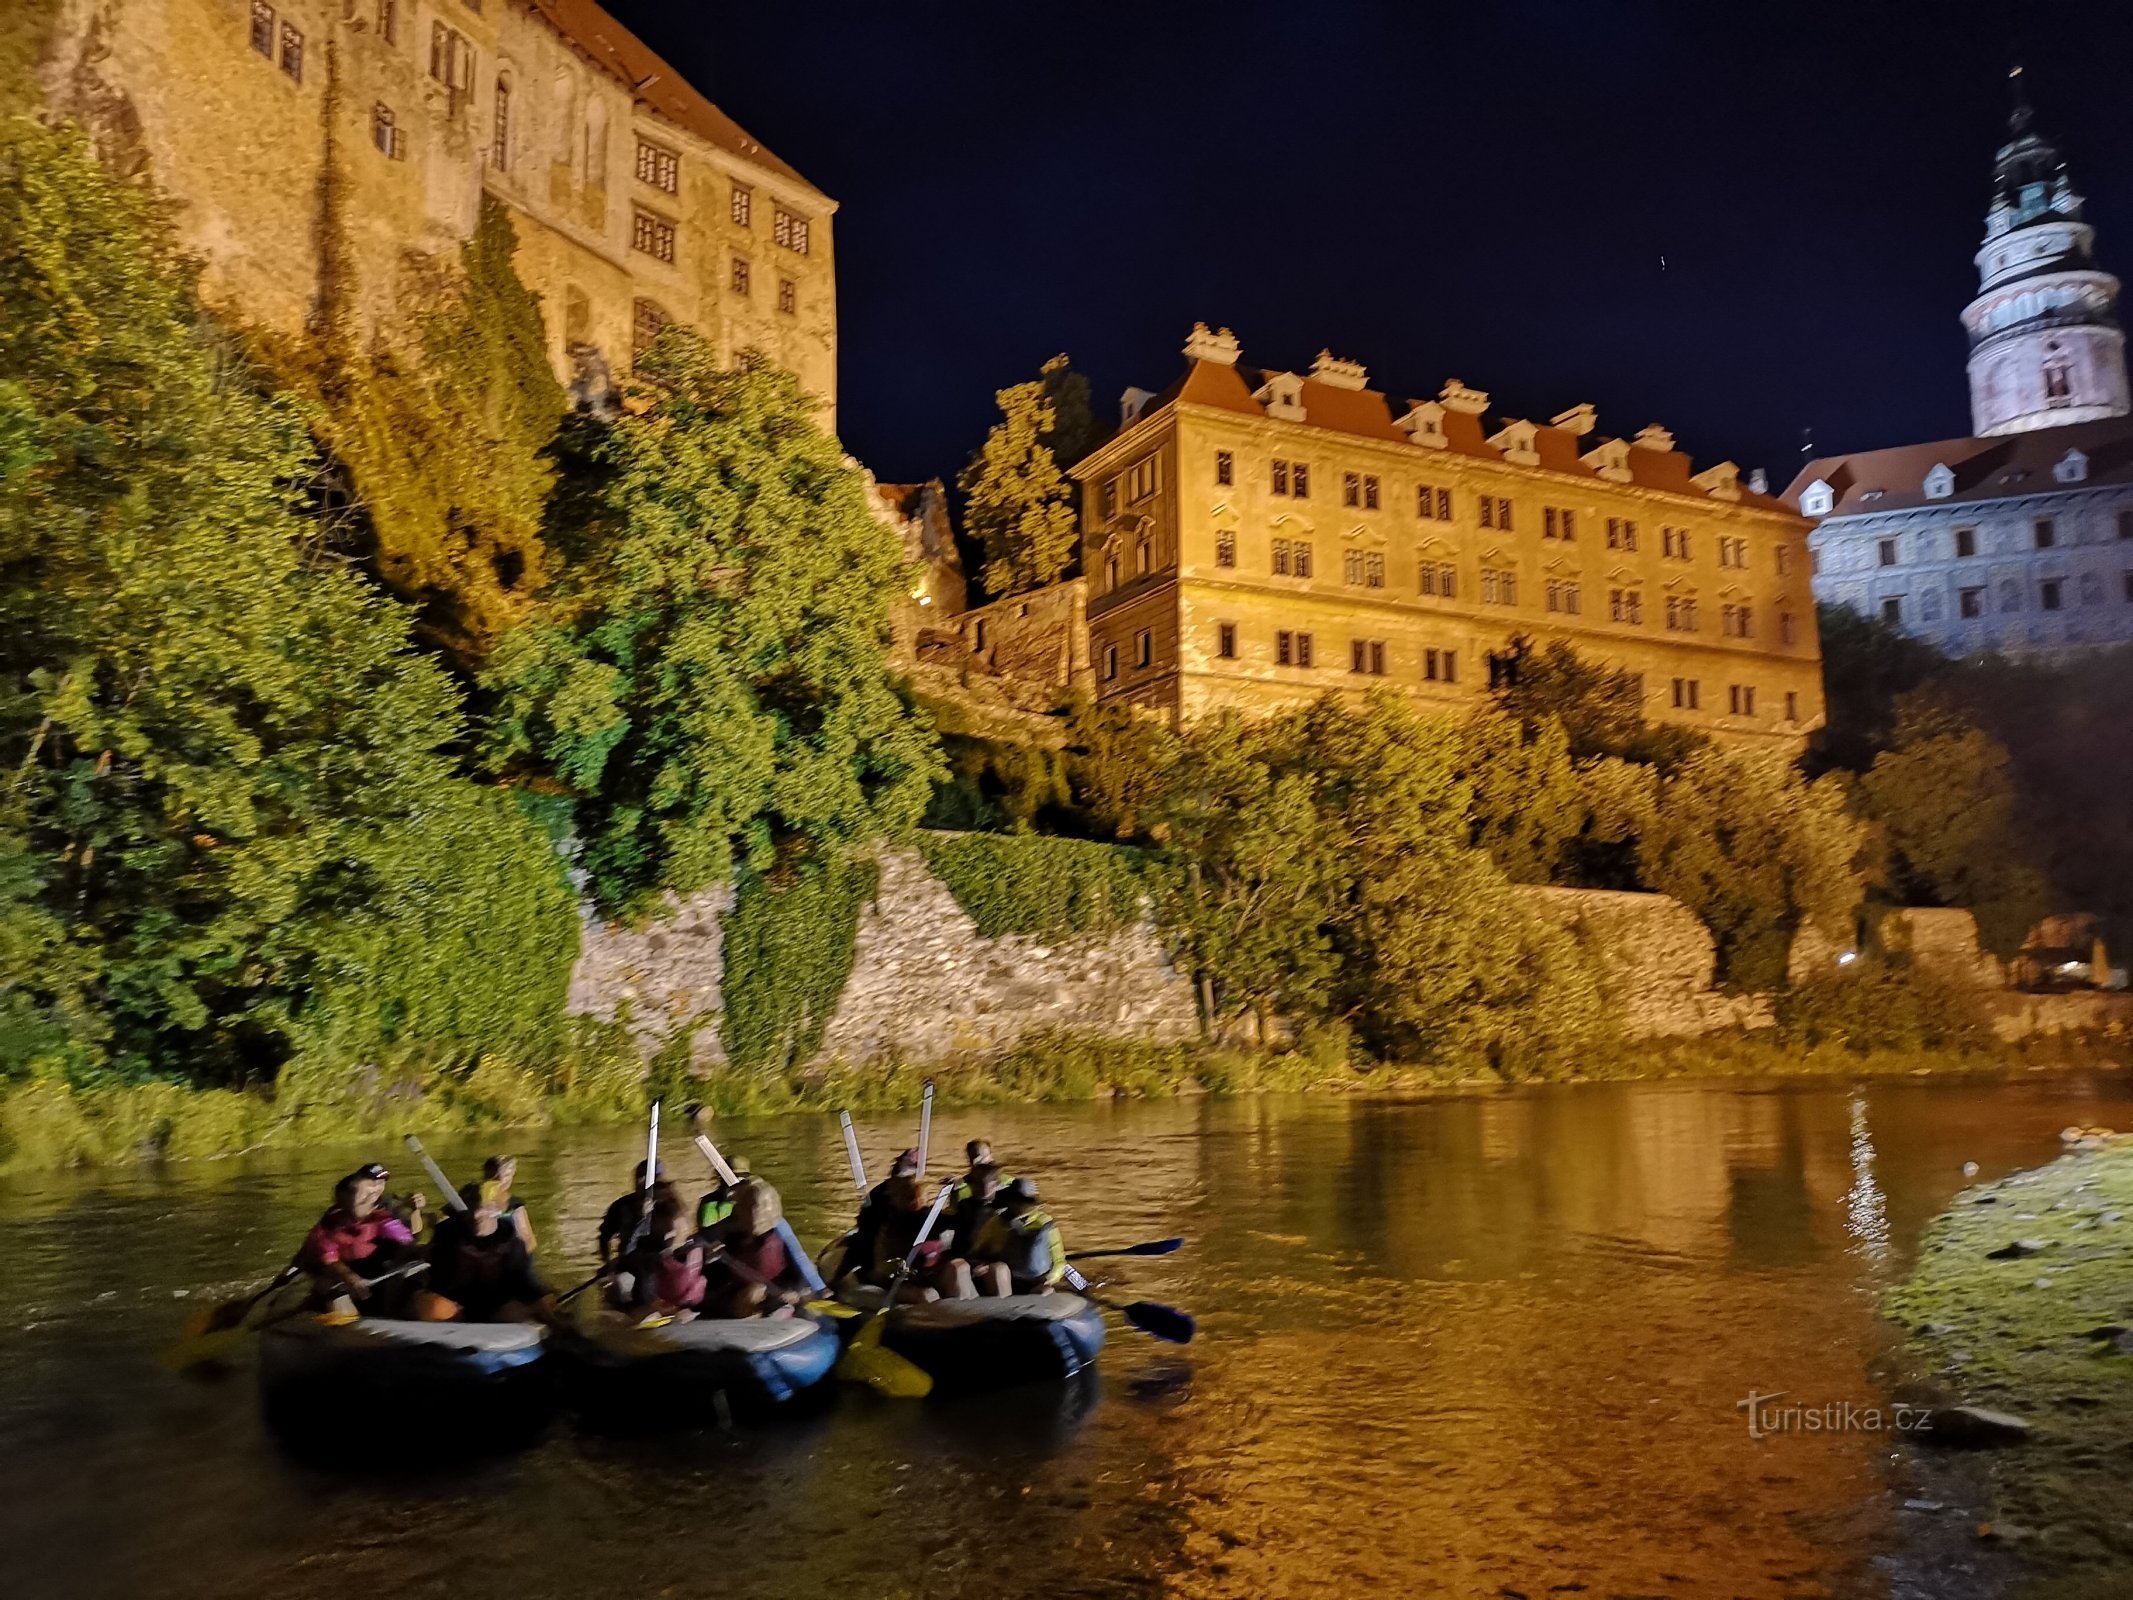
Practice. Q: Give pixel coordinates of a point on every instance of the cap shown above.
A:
(1022, 1189)
(371, 1169)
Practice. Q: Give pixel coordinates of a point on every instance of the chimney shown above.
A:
(1759, 481)
(1219, 347)
(1578, 421)
(1456, 396)
(1653, 437)
(1330, 370)
(1131, 404)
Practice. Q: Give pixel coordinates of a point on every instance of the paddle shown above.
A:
(864, 1359)
(925, 1126)
(851, 1153)
(1154, 1247)
(1163, 1322)
(451, 1195)
(791, 1240)
(209, 1333)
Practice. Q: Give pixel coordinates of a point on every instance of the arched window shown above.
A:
(500, 138)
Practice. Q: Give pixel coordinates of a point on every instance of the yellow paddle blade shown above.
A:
(202, 1350)
(832, 1308)
(866, 1360)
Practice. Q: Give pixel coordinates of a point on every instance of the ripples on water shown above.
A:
(1473, 1346)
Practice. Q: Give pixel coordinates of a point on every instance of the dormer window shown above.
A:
(1940, 482)
(2073, 467)
(1282, 395)
(1816, 499)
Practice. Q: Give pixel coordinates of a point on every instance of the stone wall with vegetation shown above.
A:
(1655, 961)
(1034, 933)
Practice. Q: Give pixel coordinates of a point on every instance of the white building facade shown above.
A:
(2019, 538)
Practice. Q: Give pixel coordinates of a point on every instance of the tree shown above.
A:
(1867, 666)
(708, 677)
(1439, 959)
(231, 827)
(1253, 872)
(445, 443)
(1601, 708)
(1527, 802)
(1021, 504)
(1120, 763)
(1945, 798)
(1755, 850)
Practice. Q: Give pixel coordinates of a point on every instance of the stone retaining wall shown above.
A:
(925, 983)
(1654, 957)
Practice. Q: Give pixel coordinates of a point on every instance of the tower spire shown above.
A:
(2045, 346)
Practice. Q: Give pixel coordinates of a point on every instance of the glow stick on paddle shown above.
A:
(851, 1153)
(925, 1126)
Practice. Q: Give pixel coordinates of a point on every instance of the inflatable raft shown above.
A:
(992, 1343)
(697, 1372)
(331, 1379)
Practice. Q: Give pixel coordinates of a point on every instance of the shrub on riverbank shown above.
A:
(2016, 1288)
(1028, 884)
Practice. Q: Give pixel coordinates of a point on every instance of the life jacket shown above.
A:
(678, 1277)
(1029, 1245)
(714, 1208)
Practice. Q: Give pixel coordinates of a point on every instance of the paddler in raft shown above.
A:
(1018, 1249)
(661, 1274)
(750, 1273)
(480, 1268)
(935, 1275)
(359, 1238)
(717, 1203)
(862, 1244)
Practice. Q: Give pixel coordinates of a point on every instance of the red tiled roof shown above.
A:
(1210, 383)
(655, 84)
(1558, 451)
(1357, 411)
(1997, 468)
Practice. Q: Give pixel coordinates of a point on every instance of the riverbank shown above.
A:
(48, 1125)
(2021, 1302)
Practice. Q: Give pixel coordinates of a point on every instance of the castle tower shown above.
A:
(2045, 345)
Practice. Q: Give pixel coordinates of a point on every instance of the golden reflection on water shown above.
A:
(1479, 1346)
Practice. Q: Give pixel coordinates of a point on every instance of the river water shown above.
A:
(1484, 1345)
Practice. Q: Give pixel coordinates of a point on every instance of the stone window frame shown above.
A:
(1143, 649)
(1740, 699)
(648, 319)
(1110, 663)
(1559, 523)
(264, 31)
(1225, 547)
(389, 21)
(500, 124)
(740, 206)
(1440, 666)
(2044, 533)
(1688, 694)
(1226, 641)
(1225, 468)
(788, 297)
(790, 230)
(292, 51)
(739, 276)
(2051, 594)
(1626, 606)
(386, 132)
(1496, 512)
(658, 167)
(653, 234)
(1966, 543)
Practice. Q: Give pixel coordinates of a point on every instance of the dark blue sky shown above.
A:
(1481, 189)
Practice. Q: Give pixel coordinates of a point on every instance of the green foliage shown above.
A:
(1946, 802)
(1049, 888)
(1600, 708)
(1877, 1006)
(708, 677)
(1755, 850)
(230, 821)
(1528, 804)
(446, 444)
(1121, 763)
(788, 948)
(1020, 506)
(1321, 864)
(998, 783)
(1867, 666)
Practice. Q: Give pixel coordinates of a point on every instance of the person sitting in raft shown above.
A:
(662, 1274)
(934, 1274)
(481, 1270)
(357, 1239)
(717, 1204)
(979, 1154)
(974, 1198)
(750, 1273)
(1019, 1250)
(622, 1221)
(860, 1249)
(497, 1173)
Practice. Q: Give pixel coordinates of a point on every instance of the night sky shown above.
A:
(1482, 190)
